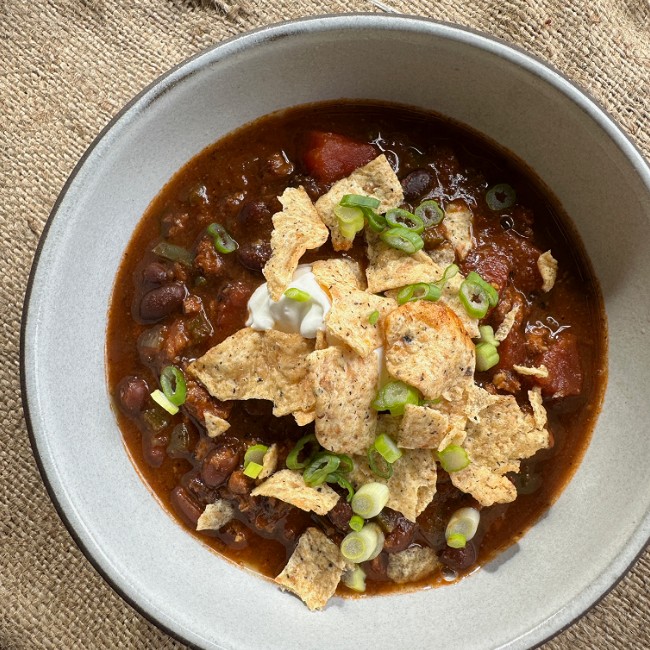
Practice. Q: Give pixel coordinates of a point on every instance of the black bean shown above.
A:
(132, 395)
(218, 465)
(254, 255)
(459, 559)
(160, 302)
(185, 505)
(157, 272)
(377, 569)
(340, 515)
(153, 449)
(252, 216)
(400, 537)
(416, 184)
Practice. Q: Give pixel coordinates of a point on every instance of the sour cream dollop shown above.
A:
(287, 315)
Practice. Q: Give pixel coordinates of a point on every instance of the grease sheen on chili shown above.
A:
(170, 312)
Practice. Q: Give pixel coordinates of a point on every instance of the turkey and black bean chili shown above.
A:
(177, 296)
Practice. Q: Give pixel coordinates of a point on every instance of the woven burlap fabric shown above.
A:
(67, 68)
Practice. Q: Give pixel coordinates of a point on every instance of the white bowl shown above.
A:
(567, 561)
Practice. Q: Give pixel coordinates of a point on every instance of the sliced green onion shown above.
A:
(378, 464)
(365, 544)
(374, 317)
(430, 402)
(347, 464)
(380, 539)
(337, 477)
(385, 445)
(297, 294)
(172, 382)
(320, 467)
(253, 470)
(462, 527)
(402, 239)
(173, 253)
(293, 461)
(255, 454)
(370, 499)
(500, 197)
(356, 522)
(430, 213)
(355, 579)
(350, 220)
(457, 540)
(420, 291)
(394, 396)
(377, 222)
(159, 397)
(487, 335)
(486, 356)
(449, 273)
(477, 295)
(453, 458)
(405, 219)
(359, 201)
(223, 242)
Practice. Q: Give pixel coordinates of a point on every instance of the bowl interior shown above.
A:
(567, 560)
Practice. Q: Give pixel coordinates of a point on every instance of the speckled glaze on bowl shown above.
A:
(566, 561)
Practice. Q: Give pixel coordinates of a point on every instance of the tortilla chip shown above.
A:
(547, 266)
(389, 424)
(422, 427)
(269, 462)
(390, 268)
(539, 412)
(506, 324)
(216, 515)
(290, 487)
(486, 486)
(443, 255)
(345, 384)
(259, 365)
(303, 418)
(474, 399)
(376, 179)
(412, 564)
(450, 298)
(314, 569)
(321, 340)
(428, 347)
(496, 441)
(539, 371)
(296, 229)
(215, 426)
(338, 271)
(348, 318)
(412, 485)
(457, 227)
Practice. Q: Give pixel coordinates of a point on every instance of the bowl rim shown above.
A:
(513, 53)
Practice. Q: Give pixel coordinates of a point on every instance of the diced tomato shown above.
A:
(512, 350)
(523, 258)
(490, 263)
(330, 156)
(562, 359)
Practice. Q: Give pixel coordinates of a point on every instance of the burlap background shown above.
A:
(67, 68)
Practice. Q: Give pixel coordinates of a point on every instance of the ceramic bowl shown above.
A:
(567, 561)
